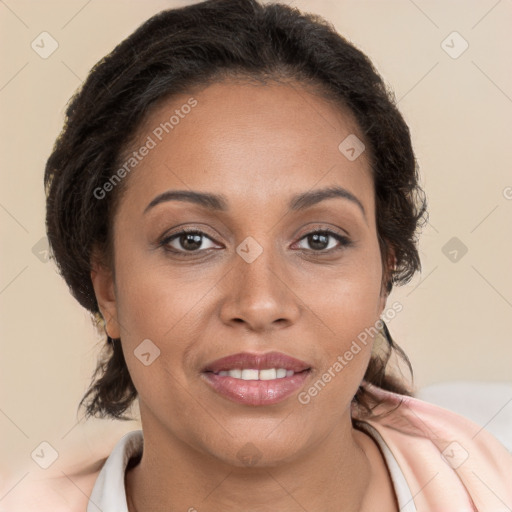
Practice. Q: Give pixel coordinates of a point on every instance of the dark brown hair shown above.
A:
(194, 46)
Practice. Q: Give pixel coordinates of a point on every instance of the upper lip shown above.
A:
(247, 360)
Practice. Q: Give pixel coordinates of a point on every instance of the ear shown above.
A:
(387, 272)
(102, 278)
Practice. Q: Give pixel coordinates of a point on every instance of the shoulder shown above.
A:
(453, 457)
(81, 476)
(63, 489)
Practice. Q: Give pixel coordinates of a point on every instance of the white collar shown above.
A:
(402, 490)
(109, 493)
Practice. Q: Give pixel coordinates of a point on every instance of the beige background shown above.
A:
(455, 323)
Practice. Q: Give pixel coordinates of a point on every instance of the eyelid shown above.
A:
(319, 226)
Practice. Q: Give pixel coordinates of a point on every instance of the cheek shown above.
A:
(348, 305)
(157, 324)
(350, 295)
(154, 298)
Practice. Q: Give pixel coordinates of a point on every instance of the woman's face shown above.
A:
(254, 278)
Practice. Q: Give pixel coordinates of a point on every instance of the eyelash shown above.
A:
(343, 240)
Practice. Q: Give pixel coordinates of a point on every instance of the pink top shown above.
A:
(448, 463)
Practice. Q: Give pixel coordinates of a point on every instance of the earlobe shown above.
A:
(386, 278)
(383, 299)
(103, 283)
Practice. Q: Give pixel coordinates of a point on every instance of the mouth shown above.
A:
(256, 379)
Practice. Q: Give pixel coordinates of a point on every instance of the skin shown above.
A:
(258, 146)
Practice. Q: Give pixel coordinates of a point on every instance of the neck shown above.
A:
(334, 475)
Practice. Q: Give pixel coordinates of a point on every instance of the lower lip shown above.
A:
(256, 392)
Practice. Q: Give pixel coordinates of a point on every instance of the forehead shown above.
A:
(253, 143)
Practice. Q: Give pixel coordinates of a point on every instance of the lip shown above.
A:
(256, 392)
(257, 361)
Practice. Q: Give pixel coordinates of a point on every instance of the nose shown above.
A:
(259, 294)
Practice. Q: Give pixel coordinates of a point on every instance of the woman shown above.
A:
(233, 196)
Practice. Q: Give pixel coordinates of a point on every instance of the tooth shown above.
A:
(269, 374)
(254, 374)
(249, 374)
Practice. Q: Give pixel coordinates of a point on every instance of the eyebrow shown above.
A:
(219, 202)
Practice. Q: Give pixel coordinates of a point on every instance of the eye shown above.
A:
(187, 241)
(319, 241)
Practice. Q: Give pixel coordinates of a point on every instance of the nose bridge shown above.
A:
(258, 293)
(257, 265)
